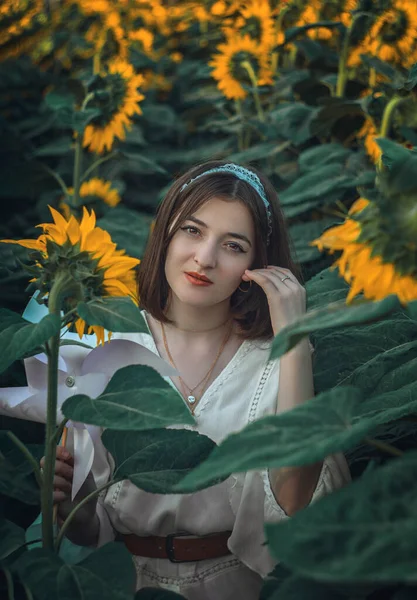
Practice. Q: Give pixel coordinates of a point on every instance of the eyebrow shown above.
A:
(238, 236)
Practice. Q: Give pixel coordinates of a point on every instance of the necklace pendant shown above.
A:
(191, 399)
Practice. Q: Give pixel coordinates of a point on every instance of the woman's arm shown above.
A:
(293, 487)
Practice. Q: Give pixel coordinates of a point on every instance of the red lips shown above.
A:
(199, 276)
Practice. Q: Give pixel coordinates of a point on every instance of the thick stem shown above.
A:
(96, 164)
(10, 585)
(387, 116)
(77, 170)
(246, 65)
(342, 72)
(61, 284)
(72, 514)
(384, 447)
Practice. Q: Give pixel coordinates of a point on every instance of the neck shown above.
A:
(198, 320)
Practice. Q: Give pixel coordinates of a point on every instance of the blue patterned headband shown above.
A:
(245, 175)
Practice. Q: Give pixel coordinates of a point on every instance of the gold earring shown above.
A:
(246, 291)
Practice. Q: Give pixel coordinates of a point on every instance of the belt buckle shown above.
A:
(169, 547)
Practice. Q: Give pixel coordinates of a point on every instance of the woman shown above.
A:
(217, 282)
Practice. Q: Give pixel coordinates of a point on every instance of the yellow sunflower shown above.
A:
(121, 85)
(89, 256)
(393, 35)
(95, 188)
(334, 10)
(228, 69)
(364, 273)
(368, 133)
(256, 20)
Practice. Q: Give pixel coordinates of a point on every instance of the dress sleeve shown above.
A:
(253, 504)
(102, 469)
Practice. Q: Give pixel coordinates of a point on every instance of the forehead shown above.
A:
(230, 215)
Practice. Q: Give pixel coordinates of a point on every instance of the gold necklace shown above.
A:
(191, 398)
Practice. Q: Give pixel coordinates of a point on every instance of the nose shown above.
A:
(206, 255)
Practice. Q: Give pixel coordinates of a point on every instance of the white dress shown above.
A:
(244, 391)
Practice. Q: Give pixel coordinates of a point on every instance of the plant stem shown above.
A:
(97, 163)
(10, 584)
(54, 305)
(246, 65)
(384, 447)
(29, 456)
(387, 116)
(341, 73)
(28, 593)
(238, 106)
(77, 170)
(58, 178)
(70, 517)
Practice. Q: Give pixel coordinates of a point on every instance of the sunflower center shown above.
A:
(395, 27)
(109, 94)
(238, 71)
(331, 10)
(253, 26)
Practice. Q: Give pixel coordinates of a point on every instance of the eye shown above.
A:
(190, 229)
(235, 247)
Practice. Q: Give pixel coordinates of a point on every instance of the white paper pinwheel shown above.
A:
(80, 371)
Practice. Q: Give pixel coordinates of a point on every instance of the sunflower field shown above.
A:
(102, 104)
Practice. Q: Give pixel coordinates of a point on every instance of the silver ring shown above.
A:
(286, 277)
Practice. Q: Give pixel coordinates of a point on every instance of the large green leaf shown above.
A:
(18, 338)
(317, 156)
(294, 121)
(16, 473)
(114, 314)
(333, 315)
(316, 185)
(156, 460)
(355, 347)
(364, 532)
(12, 538)
(136, 398)
(324, 288)
(106, 574)
(333, 421)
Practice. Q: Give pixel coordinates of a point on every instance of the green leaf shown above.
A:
(393, 154)
(318, 156)
(356, 346)
(333, 315)
(59, 147)
(362, 532)
(156, 460)
(333, 421)
(316, 185)
(294, 121)
(106, 574)
(326, 287)
(16, 473)
(136, 162)
(258, 151)
(21, 338)
(412, 78)
(136, 398)
(12, 538)
(385, 69)
(59, 101)
(114, 314)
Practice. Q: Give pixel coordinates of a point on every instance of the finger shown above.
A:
(63, 454)
(281, 272)
(59, 496)
(64, 470)
(275, 278)
(61, 484)
(264, 280)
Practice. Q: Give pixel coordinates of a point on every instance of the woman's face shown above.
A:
(216, 242)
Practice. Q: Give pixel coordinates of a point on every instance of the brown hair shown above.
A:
(250, 309)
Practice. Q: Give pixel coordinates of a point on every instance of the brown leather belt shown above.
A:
(179, 547)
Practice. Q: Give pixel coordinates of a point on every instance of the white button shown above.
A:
(70, 381)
